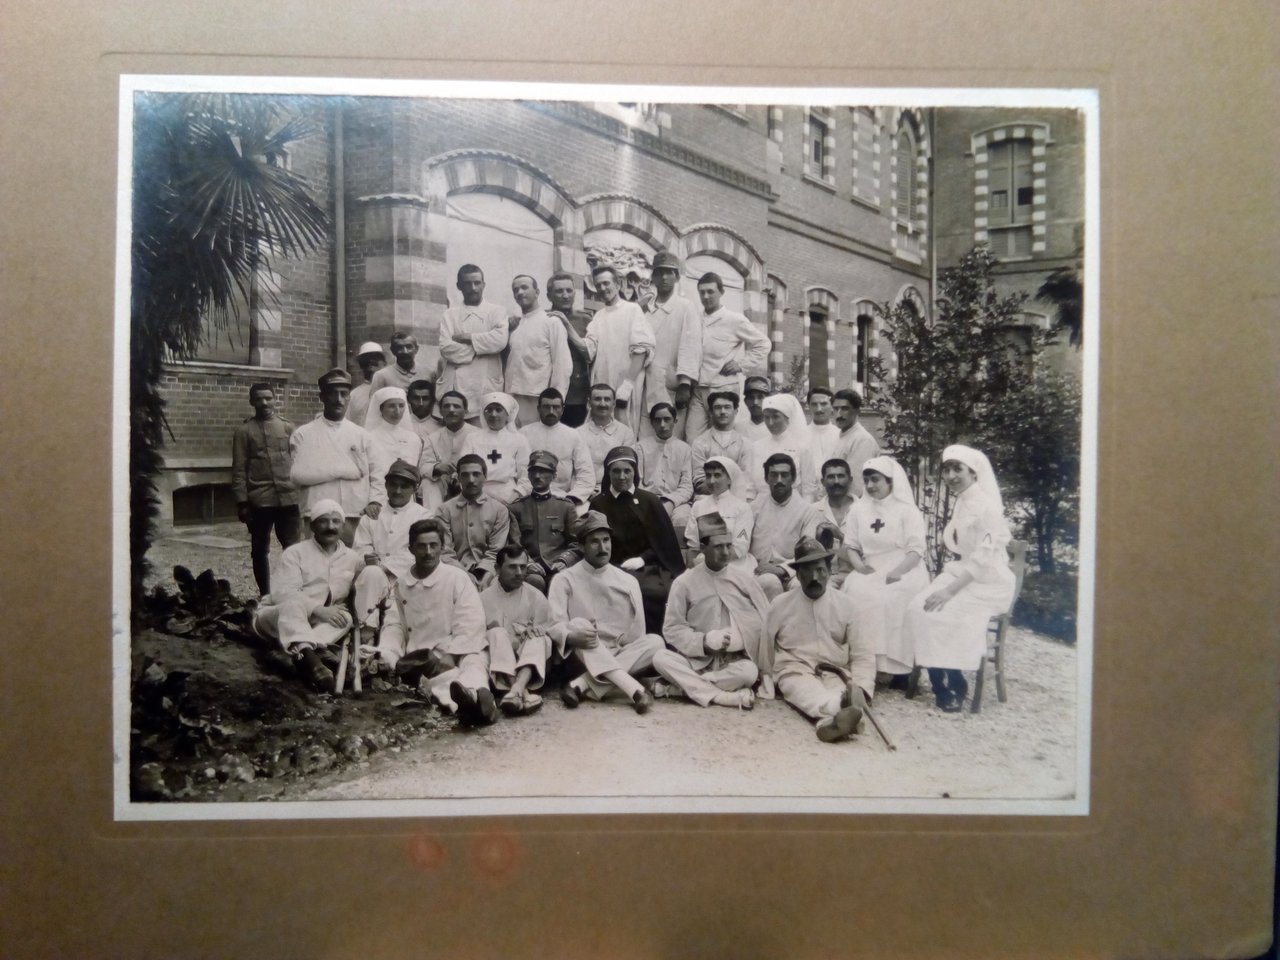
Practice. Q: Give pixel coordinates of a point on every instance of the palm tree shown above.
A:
(212, 201)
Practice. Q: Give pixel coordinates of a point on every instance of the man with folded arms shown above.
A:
(543, 524)
(597, 615)
(715, 627)
(822, 666)
(305, 609)
(434, 634)
(473, 335)
(517, 618)
(575, 478)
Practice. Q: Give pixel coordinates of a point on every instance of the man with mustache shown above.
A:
(597, 616)
(538, 355)
(575, 478)
(473, 335)
(821, 665)
(305, 610)
(780, 518)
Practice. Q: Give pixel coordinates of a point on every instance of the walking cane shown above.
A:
(879, 729)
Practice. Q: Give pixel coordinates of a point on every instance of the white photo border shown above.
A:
(1084, 100)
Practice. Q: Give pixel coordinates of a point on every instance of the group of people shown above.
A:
(718, 546)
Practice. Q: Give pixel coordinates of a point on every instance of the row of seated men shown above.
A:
(278, 468)
(718, 640)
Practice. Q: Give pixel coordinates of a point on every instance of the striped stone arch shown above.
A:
(909, 293)
(504, 174)
(829, 304)
(729, 245)
(619, 211)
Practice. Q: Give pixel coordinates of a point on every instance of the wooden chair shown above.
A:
(997, 629)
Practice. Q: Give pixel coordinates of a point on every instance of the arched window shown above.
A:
(819, 349)
(1010, 189)
(862, 351)
(906, 194)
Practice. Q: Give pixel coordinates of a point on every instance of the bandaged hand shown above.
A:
(632, 564)
(716, 641)
(623, 395)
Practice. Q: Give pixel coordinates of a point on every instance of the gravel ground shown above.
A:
(1022, 749)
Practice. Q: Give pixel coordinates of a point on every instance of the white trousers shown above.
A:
(815, 696)
(505, 661)
(633, 658)
(470, 669)
(702, 688)
(293, 623)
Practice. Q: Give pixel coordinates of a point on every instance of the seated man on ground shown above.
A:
(715, 627)
(597, 613)
(434, 634)
(644, 542)
(476, 524)
(383, 546)
(517, 618)
(543, 523)
(304, 610)
(780, 518)
(822, 664)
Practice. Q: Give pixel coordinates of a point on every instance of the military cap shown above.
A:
(544, 459)
(405, 471)
(757, 383)
(591, 521)
(337, 377)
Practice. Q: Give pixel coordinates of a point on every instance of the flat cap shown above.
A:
(405, 471)
(757, 383)
(545, 459)
(337, 377)
(591, 521)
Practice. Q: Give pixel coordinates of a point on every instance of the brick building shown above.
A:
(810, 214)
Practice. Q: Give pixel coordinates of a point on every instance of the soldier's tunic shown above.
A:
(543, 525)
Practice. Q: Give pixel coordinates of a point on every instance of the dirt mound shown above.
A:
(217, 714)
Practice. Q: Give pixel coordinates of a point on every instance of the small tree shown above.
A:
(1064, 290)
(953, 368)
(1034, 435)
(211, 199)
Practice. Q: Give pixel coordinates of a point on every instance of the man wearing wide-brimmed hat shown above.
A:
(597, 615)
(822, 665)
(715, 627)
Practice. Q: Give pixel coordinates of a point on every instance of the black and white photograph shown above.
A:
(530, 448)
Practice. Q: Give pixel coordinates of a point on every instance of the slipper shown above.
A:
(531, 702)
(570, 696)
(512, 705)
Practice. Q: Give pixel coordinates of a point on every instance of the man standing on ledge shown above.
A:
(404, 347)
(823, 667)
(538, 357)
(620, 343)
(731, 345)
(597, 613)
(643, 541)
(562, 290)
(854, 444)
(472, 337)
(333, 458)
(265, 496)
(677, 359)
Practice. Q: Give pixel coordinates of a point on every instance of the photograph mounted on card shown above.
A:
(491, 448)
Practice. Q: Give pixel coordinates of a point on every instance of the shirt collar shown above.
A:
(618, 494)
(428, 581)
